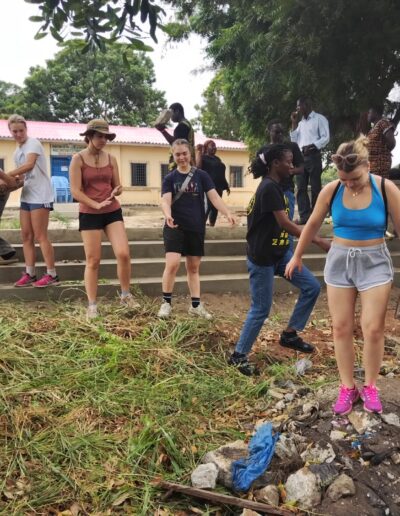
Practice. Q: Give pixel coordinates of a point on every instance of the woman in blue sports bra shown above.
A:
(358, 262)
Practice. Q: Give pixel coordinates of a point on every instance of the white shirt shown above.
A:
(311, 130)
(37, 185)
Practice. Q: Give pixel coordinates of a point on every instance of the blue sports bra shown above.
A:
(365, 224)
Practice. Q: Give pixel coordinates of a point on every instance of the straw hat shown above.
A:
(98, 125)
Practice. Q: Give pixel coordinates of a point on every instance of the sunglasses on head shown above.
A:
(350, 159)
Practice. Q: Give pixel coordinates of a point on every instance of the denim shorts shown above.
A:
(30, 206)
(358, 267)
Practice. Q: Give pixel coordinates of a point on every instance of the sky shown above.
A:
(20, 51)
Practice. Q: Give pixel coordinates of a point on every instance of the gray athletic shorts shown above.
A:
(358, 267)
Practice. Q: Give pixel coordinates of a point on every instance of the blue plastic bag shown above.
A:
(261, 448)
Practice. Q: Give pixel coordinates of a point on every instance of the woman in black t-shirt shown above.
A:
(268, 253)
(207, 160)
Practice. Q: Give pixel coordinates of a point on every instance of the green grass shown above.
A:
(94, 413)
(10, 223)
(59, 217)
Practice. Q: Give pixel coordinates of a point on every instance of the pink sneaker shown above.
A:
(345, 400)
(370, 396)
(26, 280)
(46, 280)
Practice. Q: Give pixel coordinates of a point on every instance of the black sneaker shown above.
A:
(240, 361)
(293, 341)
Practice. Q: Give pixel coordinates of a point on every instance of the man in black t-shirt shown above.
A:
(183, 130)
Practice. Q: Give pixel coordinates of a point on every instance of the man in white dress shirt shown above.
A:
(311, 134)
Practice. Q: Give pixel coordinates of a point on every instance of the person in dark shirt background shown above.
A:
(207, 160)
(183, 130)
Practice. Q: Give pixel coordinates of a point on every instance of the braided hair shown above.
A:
(261, 165)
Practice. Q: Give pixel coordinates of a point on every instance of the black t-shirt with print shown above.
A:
(267, 242)
(189, 210)
(288, 184)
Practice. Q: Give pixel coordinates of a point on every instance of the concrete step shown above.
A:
(139, 249)
(72, 270)
(151, 286)
(155, 249)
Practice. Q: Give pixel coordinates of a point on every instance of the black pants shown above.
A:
(212, 212)
(312, 175)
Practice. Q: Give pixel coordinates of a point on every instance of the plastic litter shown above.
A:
(261, 451)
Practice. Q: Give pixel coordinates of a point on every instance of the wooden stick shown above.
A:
(224, 499)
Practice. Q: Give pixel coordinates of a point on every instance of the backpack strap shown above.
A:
(334, 195)
(383, 188)
(184, 185)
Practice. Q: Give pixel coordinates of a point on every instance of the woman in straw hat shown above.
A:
(36, 202)
(95, 184)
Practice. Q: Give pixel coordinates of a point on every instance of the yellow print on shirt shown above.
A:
(283, 239)
(250, 206)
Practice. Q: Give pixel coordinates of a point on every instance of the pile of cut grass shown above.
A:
(92, 414)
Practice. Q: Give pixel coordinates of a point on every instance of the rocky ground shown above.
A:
(324, 464)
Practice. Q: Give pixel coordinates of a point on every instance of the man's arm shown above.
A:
(323, 130)
(170, 139)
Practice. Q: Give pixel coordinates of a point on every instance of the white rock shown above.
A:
(342, 486)
(302, 487)
(302, 365)
(391, 419)
(288, 447)
(223, 458)
(337, 435)
(275, 394)
(268, 494)
(310, 406)
(395, 458)
(289, 396)
(280, 405)
(205, 476)
(319, 455)
(362, 421)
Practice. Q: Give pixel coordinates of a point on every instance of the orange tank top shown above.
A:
(97, 184)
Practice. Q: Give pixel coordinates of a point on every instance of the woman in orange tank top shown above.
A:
(95, 184)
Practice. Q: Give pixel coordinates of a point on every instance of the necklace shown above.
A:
(357, 192)
(96, 156)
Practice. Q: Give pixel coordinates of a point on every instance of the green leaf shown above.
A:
(36, 18)
(40, 35)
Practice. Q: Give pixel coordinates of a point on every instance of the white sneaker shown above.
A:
(129, 301)
(91, 312)
(165, 310)
(200, 311)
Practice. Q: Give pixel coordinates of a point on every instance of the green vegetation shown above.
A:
(92, 414)
(10, 223)
(59, 217)
(269, 52)
(116, 84)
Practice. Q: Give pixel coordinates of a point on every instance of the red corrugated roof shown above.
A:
(69, 132)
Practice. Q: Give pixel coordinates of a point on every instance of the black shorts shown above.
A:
(187, 243)
(88, 221)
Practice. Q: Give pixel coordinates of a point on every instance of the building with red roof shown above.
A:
(142, 154)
